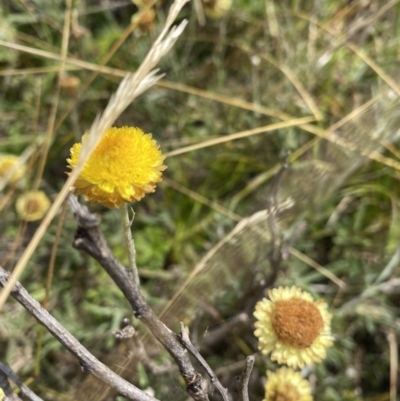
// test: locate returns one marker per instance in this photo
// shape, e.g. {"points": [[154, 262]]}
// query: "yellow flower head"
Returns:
{"points": [[216, 9], [10, 169], [294, 327], [125, 166], [32, 205], [287, 385]]}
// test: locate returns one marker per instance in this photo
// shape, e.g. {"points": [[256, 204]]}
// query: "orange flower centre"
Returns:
{"points": [[32, 206], [297, 322], [284, 392]]}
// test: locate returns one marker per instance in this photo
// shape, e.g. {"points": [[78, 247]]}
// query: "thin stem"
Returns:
{"points": [[243, 380], [130, 243]]}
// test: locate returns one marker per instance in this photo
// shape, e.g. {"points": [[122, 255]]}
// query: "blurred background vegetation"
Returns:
{"points": [[261, 63]]}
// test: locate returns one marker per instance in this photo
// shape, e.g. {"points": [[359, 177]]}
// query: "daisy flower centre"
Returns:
{"points": [[297, 322], [32, 206]]}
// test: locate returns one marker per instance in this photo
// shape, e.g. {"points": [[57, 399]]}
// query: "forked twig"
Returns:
{"points": [[185, 341], [89, 239]]}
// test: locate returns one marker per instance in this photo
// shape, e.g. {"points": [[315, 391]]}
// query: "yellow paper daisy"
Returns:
{"points": [[294, 327], [125, 166], [287, 385], [32, 205], [10, 169]]}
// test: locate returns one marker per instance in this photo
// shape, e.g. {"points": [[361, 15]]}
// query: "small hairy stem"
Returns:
{"points": [[130, 243]]}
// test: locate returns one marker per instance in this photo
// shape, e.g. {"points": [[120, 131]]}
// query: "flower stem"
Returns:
{"points": [[130, 243]]}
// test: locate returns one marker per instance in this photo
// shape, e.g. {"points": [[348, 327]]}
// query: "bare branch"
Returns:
{"points": [[185, 340], [7, 373], [87, 360], [5, 385], [89, 239]]}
